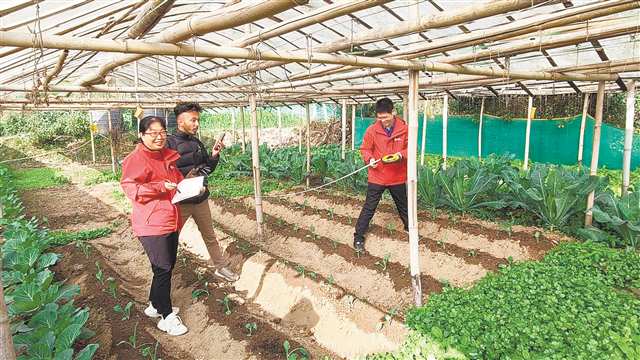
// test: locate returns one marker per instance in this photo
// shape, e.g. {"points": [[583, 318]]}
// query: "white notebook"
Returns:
{"points": [[188, 188]]}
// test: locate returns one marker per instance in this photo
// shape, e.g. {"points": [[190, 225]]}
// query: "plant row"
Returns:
{"points": [[45, 323]]}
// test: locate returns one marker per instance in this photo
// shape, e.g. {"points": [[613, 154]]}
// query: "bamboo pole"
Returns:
{"points": [[111, 147], [149, 16], [93, 143], [353, 128], [445, 120], [255, 159], [628, 136], [405, 107], [308, 138], [480, 130], [595, 151], [232, 16], [412, 187], [279, 126], [343, 143], [234, 126], [583, 123], [136, 47], [527, 135], [423, 144], [176, 79], [244, 134], [7, 351]]}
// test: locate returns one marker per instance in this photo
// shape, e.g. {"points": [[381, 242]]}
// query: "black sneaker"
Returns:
{"points": [[358, 244]]}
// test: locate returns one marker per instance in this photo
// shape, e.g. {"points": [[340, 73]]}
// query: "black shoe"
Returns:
{"points": [[358, 244]]}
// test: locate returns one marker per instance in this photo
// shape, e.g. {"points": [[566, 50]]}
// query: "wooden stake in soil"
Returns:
{"points": [[583, 123], [255, 159], [7, 351], [423, 145], [113, 155], [595, 151], [353, 127], [412, 187], [480, 130], [244, 134], [445, 120], [308, 136], [344, 130], [628, 136], [527, 135], [279, 126]]}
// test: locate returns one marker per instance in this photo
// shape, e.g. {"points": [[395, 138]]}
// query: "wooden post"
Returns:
{"points": [[279, 126], [353, 128], [113, 155], [423, 145], [595, 150], [343, 142], [244, 139], [405, 106], [255, 159], [412, 187], [628, 136], [234, 126], [176, 79], [585, 109], [300, 133], [527, 135], [92, 127], [445, 120], [480, 130], [308, 138], [7, 352]]}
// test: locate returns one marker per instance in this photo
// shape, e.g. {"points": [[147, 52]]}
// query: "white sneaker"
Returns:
{"points": [[172, 325], [226, 274], [151, 312]]}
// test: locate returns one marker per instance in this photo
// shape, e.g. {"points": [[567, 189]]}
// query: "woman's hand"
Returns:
{"points": [[170, 185]]}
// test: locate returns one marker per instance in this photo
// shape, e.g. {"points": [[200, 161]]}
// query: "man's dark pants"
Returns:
{"points": [[374, 193]]}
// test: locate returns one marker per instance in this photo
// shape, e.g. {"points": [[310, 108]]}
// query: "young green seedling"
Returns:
{"points": [[112, 287], [195, 294], [382, 263], [292, 354], [301, 271], [331, 213], [133, 338], [126, 311], [330, 280], [99, 274], [226, 304], [251, 328], [84, 247], [391, 228], [147, 351], [473, 253]]}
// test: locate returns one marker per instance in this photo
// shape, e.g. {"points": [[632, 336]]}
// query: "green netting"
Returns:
{"points": [[552, 141]]}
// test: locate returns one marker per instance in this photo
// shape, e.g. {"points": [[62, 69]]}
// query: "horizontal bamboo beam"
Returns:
{"points": [[149, 16], [20, 6], [234, 15], [44, 16], [11, 38], [450, 18]]}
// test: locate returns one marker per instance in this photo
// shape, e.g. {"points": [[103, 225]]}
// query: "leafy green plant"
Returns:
{"points": [[251, 328], [197, 293], [383, 263], [60, 238], [112, 287], [618, 215], [294, 354], [133, 338], [151, 352], [391, 228], [301, 271], [99, 274], [226, 304], [124, 311]]}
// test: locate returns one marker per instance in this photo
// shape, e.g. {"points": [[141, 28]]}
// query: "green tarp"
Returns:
{"points": [[552, 141]]}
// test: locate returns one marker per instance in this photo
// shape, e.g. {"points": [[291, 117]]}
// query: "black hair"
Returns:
{"points": [[146, 121], [384, 105], [186, 107]]}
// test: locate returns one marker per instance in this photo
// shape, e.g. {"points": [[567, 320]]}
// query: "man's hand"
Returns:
{"points": [[192, 173], [373, 163], [217, 148]]}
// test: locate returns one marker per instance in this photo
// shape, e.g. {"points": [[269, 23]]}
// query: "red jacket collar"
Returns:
{"points": [[399, 127], [164, 154]]}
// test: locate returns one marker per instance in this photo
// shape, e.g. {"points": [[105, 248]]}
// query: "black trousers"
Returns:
{"points": [[162, 251], [374, 193]]}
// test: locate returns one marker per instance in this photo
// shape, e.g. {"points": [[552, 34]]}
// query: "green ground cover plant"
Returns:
{"points": [[38, 178]]}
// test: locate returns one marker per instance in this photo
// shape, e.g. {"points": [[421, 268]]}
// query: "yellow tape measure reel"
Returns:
{"points": [[391, 158]]}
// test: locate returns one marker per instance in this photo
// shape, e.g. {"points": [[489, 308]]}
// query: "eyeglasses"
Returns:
{"points": [[155, 134]]}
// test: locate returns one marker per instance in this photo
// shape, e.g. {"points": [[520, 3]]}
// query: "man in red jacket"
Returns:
{"points": [[387, 136]]}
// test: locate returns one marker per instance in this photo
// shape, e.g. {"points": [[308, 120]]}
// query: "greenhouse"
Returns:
{"points": [[191, 179]]}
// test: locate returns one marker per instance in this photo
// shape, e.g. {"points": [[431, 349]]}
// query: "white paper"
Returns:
{"points": [[188, 188]]}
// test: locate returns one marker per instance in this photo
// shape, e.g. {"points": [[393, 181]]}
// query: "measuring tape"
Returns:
{"points": [[391, 158]]}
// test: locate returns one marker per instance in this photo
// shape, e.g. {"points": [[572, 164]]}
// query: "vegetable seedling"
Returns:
{"points": [[226, 304], [251, 328], [292, 354], [126, 311]]}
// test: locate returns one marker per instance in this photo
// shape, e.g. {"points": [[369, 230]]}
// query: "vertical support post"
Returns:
{"points": [[308, 138], [527, 135], [480, 130], [234, 126], [412, 187], [353, 127], [92, 127], [595, 150], [583, 124], [628, 136], [445, 120], [325, 113], [423, 145], [279, 126], [244, 134], [343, 143], [111, 147], [405, 108], [255, 159], [176, 79], [136, 83]]}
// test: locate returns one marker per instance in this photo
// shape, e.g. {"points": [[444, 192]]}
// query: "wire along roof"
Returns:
{"points": [[61, 53]]}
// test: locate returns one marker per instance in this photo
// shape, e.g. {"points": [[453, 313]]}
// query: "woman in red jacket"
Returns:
{"points": [[149, 178], [387, 136]]}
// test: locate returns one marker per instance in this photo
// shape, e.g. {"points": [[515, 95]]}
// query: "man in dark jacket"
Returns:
{"points": [[195, 161]]}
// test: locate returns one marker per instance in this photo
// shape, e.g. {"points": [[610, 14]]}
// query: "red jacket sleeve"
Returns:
{"points": [[366, 149], [134, 183]]}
